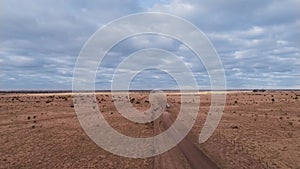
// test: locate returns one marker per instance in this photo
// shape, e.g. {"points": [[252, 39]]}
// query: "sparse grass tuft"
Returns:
{"points": [[234, 127], [48, 101]]}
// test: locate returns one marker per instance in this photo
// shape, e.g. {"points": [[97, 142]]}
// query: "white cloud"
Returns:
{"points": [[256, 40], [176, 7]]}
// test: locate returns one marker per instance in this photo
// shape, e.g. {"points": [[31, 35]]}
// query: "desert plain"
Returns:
{"points": [[257, 130]]}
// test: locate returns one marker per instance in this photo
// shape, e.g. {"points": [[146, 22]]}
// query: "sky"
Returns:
{"points": [[258, 42]]}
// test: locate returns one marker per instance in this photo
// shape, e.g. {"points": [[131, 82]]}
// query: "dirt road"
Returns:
{"points": [[194, 156], [43, 131]]}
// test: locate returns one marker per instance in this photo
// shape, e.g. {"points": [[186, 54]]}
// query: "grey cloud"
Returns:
{"points": [[257, 41], [45, 37]]}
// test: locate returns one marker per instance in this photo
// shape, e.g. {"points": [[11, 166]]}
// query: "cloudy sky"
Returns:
{"points": [[258, 42]]}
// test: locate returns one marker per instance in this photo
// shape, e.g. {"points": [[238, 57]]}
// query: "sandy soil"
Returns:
{"points": [[257, 130]]}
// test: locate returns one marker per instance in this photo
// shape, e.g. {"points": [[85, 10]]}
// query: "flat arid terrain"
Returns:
{"points": [[257, 130]]}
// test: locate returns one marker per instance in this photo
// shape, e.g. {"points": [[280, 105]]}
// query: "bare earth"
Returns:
{"points": [[257, 130]]}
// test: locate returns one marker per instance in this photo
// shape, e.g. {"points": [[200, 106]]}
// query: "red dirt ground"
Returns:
{"points": [[257, 130]]}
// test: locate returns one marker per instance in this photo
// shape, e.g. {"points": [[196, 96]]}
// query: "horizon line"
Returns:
{"points": [[140, 90]]}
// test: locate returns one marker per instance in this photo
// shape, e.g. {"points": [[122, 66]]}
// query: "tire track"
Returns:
{"points": [[195, 157]]}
